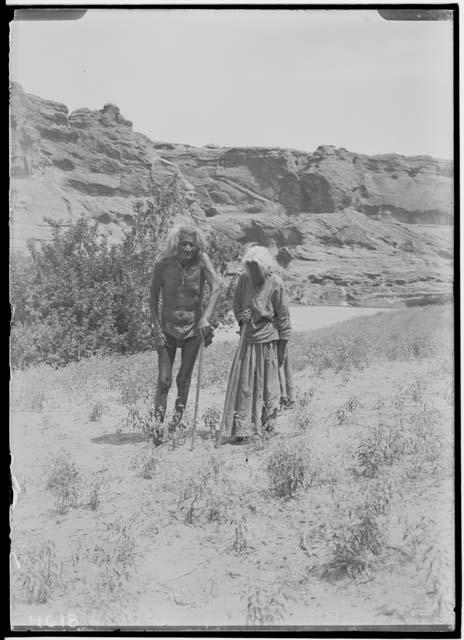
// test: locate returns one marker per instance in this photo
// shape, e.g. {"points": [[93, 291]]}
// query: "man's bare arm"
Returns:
{"points": [[155, 290], [214, 288]]}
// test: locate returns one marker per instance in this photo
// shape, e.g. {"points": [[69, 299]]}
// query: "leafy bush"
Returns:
{"points": [[76, 295]]}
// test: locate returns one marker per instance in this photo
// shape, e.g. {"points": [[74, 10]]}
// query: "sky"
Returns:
{"points": [[294, 79]]}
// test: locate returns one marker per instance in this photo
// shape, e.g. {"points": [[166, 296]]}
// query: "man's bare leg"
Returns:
{"points": [[190, 349], [166, 358]]}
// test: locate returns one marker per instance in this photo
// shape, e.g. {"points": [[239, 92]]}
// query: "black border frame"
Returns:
{"points": [[283, 631]]}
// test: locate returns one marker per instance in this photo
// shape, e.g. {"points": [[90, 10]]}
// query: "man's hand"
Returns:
{"points": [[206, 330], [160, 341], [207, 333], [282, 350]]}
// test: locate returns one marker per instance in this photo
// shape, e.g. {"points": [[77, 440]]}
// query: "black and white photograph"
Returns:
{"points": [[232, 342]]}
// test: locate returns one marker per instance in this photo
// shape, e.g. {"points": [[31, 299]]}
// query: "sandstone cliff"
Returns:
{"points": [[345, 227]]}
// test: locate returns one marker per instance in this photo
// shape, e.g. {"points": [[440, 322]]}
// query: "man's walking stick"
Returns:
{"points": [[232, 385], [197, 395]]}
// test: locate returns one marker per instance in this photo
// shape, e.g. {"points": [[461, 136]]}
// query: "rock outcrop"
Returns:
{"points": [[345, 227]]}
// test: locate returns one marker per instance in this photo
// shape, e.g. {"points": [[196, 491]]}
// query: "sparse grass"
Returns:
{"points": [[110, 562], [289, 468], [404, 446], [96, 485], [210, 494], [64, 481], [302, 415], [140, 417], [266, 605], [381, 446], [346, 413], [406, 334], [146, 463], [134, 377], [240, 544], [38, 575], [355, 537], [97, 411]]}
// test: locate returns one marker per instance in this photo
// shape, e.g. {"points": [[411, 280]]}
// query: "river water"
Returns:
{"points": [[308, 318]]}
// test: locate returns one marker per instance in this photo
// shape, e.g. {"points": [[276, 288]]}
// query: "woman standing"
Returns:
{"points": [[261, 308]]}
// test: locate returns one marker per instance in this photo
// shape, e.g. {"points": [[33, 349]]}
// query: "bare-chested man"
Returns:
{"points": [[178, 320]]}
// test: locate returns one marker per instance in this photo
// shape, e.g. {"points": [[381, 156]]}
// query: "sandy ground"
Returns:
{"points": [[192, 574]]}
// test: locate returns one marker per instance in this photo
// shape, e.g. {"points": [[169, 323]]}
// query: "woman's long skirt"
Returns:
{"points": [[258, 393]]}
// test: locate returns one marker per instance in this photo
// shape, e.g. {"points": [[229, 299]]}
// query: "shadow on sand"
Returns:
{"points": [[119, 438]]}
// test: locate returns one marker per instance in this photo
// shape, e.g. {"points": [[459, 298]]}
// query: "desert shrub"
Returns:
{"points": [[85, 296], [209, 494], [382, 446], [211, 419], [146, 463], [95, 486], [289, 468], [414, 433], [134, 377], [97, 410], [140, 417], [64, 481], [355, 537], [240, 543], [39, 573], [302, 415], [266, 605], [110, 562], [345, 413], [76, 295]]}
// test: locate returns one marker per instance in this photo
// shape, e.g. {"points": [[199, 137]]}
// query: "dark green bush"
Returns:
{"points": [[76, 295]]}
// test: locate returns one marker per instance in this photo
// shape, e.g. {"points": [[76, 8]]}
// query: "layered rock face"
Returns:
{"points": [[345, 227]]}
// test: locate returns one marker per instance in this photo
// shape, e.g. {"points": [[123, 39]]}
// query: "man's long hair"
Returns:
{"points": [[172, 239]]}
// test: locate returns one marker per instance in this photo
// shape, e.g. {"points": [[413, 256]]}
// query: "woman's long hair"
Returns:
{"points": [[263, 258]]}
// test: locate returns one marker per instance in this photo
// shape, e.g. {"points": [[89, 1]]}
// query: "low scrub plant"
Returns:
{"points": [[64, 481], [97, 410], [96, 485], [146, 463], [346, 413], [141, 417], [110, 562], [289, 468], [266, 605], [210, 494], [39, 574], [211, 419], [355, 537]]}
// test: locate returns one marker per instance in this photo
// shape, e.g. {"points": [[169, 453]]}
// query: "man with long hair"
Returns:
{"points": [[177, 314]]}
